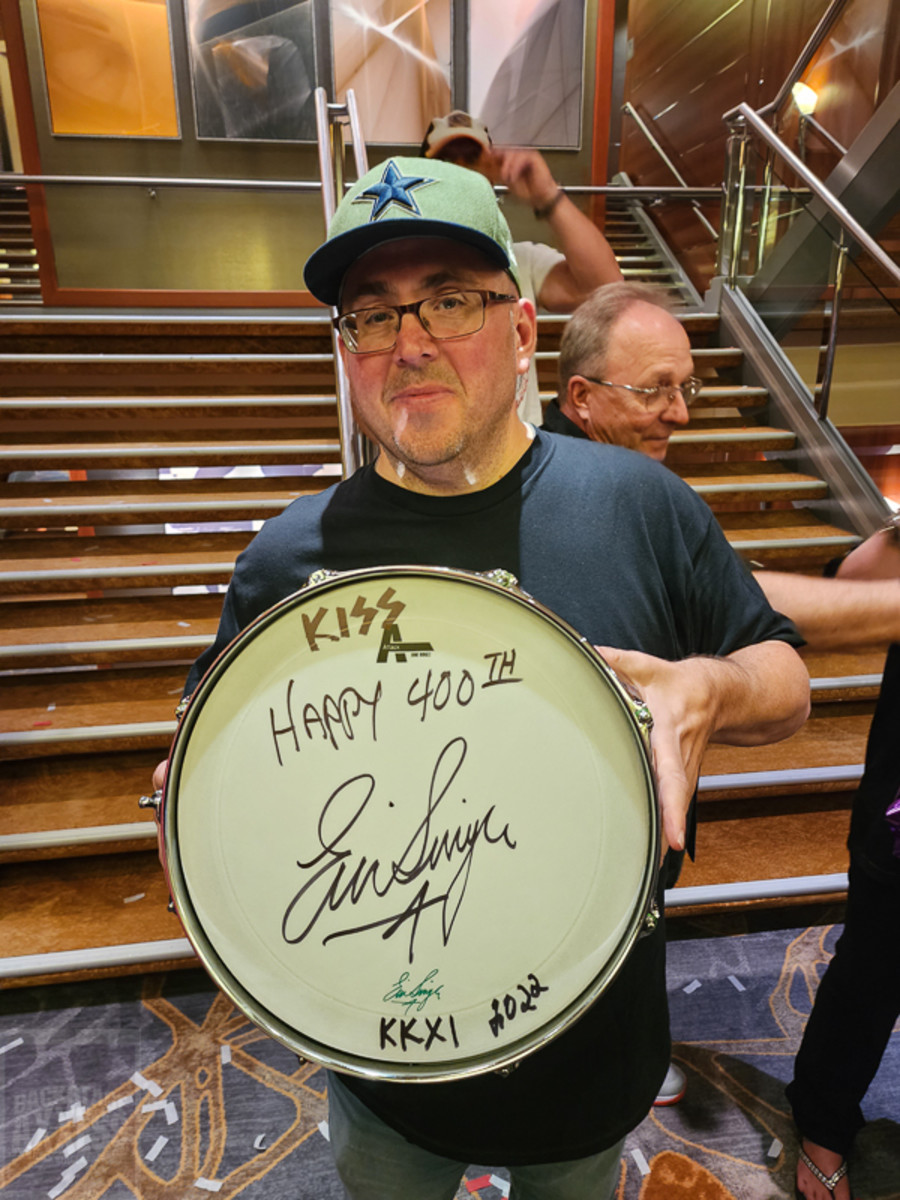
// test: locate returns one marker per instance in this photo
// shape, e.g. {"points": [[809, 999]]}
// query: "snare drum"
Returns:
{"points": [[410, 823]]}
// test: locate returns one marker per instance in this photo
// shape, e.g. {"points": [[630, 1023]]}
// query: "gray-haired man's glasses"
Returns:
{"points": [[445, 316], [660, 396]]}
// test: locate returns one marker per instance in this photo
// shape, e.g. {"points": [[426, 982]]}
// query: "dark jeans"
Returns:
{"points": [[856, 1005]]}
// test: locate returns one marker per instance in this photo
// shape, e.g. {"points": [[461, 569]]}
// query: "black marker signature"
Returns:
{"points": [[416, 880]]}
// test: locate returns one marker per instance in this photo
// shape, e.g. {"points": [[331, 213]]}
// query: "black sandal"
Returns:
{"points": [[829, 1182]]}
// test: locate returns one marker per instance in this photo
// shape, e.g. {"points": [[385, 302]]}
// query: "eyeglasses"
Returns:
{"points": [[661, 395], [445, 316]]}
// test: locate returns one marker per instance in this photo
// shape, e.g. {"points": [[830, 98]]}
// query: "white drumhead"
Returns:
{"points": [[416, 851]]}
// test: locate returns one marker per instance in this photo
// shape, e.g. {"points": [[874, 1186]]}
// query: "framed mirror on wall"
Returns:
{"points": [[526, 71], [108, 68], [253, 67]]}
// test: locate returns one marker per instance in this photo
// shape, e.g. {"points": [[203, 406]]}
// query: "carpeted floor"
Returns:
{"points": [[157, 1088]]}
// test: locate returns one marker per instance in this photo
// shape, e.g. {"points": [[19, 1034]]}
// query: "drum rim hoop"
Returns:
{"points": [[223, 976]]}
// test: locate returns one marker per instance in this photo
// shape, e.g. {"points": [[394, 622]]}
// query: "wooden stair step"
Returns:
{"points": [[710, 434], [158, 407], [760, 839], [80, 712], [195, 452], [81, 904], [36, 633], [833, 737], [51, 564], [738, 395], [755, 481], [783, 525], [151, 501], [74, 805]]}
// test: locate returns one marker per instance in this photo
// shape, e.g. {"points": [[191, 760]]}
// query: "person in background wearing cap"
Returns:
{"points": [[625, 372], [435, 339], [557, 280]]}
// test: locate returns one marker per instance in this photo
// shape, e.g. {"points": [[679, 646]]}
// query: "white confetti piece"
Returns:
{"points": [[736, 983], [122, 1102], [146, 1085], [156, 1149], [153, 1106], [51, 708], [225, 1054], [775, 1149], [207, 1185], [259, 1143], [75, 1146], [134, 898], [323, 1129], [642, 1164], [692, 987], [12, 1045], [68, 1177], [75, 1113], [502, 1185], [37, 1136], [171, 1113], [184, 624]]}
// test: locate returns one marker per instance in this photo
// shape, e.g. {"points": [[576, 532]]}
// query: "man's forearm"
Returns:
{"points": [[836, 614], [759, 694]]}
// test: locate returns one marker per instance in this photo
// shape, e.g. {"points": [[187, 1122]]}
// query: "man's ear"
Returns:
{"points": [[577, 396], [525, 327]]}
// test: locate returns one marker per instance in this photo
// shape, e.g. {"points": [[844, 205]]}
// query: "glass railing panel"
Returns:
{"points": [[787, 265]]}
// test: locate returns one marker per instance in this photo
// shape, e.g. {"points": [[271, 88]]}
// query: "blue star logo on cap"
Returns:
{"points": [[393, 188]]}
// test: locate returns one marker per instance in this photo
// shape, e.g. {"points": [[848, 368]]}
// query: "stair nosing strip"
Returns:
{"points": [[84, 733], [46, 839], [95, 958], [753, 779]]}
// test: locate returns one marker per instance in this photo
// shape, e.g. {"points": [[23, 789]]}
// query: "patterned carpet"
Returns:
{"points": [[158, 1089]]}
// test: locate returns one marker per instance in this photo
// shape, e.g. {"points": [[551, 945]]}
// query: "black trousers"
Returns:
{"points": [[855, 1008]]}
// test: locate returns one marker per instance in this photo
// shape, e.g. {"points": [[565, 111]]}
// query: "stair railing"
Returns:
{"points": [[630, 111], [744, 123], [331, 122]]}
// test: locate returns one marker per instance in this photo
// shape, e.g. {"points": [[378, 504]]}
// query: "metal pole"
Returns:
{"points": [[353, 445], [831, 348]]}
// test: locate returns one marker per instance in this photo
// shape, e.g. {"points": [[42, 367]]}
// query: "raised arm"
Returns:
{"points": [[857, 610], [755, 695], [589, 259]]}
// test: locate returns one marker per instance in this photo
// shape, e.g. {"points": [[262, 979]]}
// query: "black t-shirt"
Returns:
{"points": [[626, 553]]}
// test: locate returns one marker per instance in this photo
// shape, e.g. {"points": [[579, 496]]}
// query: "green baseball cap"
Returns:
{"points": [[410, 197]]}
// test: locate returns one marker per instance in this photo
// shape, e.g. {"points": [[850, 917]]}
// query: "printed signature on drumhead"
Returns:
{"points": [[349, 893], [416, 996]]}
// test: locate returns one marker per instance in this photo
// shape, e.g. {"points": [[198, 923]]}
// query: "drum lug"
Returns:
{"points": [[651, 919], [505, 1072], [321, 577], [153, 802], [501, 577], [642, 715]]}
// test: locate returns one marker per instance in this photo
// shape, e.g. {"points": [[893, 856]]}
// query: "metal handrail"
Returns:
{"points": [[842, 215], [816, 38], [629, 109], [330, 120], [640, 192]]}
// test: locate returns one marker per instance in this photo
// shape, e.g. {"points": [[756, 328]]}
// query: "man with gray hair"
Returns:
{"points": [[627, 332]]}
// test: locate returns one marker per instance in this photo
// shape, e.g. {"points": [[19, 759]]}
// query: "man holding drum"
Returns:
{"points": [[436, 341]]}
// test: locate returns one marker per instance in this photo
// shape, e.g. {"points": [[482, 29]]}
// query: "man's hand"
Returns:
{"points": [[758, 694], [159, 775], [527, 176]]}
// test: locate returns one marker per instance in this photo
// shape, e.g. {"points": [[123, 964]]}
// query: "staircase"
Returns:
{"points": [[140, 453], [134, 475], [19, 275]]}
